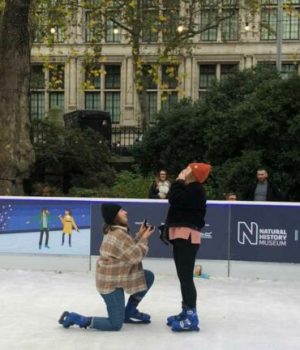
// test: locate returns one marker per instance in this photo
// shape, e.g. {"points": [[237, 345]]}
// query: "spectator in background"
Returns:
{"points": [[230, 196], [263, 189], [160, 186]]}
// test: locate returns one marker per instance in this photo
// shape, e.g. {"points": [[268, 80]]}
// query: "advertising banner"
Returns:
{"points": [[155, 213], [64, 226], [45, 226], [214, 243], [265, 233], [214, 238]]}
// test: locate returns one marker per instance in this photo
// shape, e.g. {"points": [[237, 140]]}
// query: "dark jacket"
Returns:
{"points": [[187, 205], [273, 193], [153, 191]]}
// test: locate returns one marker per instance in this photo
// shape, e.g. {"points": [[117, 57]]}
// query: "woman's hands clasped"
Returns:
{"points": [[184, 173]]}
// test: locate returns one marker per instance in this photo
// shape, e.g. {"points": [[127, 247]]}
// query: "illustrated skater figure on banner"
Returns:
{"points": [[44, 219], [119, 269], [185, 219], [69, 224]]}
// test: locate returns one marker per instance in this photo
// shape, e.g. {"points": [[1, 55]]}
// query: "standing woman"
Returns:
{"points": [[185, 219], [68, 223]]}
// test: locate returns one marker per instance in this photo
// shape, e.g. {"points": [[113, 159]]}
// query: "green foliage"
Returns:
{"points": [[131, 185], [127, 184], [235, 174], [86, 158], [45, 190], [249, 119], [174, 141], [89, 192], [73, 157]]}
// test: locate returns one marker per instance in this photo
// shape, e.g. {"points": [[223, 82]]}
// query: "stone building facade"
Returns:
{"points": [[239, 43]]}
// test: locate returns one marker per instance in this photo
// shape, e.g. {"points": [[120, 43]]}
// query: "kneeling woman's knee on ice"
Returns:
{"points": [[117, 325]]}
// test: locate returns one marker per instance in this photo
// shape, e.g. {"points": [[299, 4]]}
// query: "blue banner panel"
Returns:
{"points": [[214, 237], [254, 231], [214, 243], [265, 233], [21, 226], [155, 214]]}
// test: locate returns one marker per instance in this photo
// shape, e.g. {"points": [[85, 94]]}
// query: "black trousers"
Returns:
{"points": [[41, 236], [184, 254]]}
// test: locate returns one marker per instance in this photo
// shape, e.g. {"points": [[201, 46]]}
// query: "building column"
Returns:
{"points": [[248, 62], [188, 77], [129, 115], [72, 88]]}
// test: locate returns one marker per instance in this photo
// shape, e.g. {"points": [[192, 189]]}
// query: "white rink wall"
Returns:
{"points": [[165, 266], [234, 234]]}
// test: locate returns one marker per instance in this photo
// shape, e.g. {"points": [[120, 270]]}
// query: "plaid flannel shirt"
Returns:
{"points": [[120, 262]]}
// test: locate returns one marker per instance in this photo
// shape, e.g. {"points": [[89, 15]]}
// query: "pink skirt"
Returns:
{"points": [[185, 233]]}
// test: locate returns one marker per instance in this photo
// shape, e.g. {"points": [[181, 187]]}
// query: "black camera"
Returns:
{"points": [[146, 225]]}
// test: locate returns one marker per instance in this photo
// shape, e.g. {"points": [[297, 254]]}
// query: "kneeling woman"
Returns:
{"points": [[119, 269]]}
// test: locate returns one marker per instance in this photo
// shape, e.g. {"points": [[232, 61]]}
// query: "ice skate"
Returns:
{"points": [[190, 323], [181, 316], [68, 319], [133, 315]]}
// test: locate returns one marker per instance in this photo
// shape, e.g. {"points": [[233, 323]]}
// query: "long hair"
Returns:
{"points": [[109, 227], [106, 228], [157, 177]]}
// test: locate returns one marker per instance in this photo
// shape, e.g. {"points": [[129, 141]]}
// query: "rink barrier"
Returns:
{"points": [[236, 233]]}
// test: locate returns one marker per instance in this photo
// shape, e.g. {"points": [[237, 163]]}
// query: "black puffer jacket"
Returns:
{"points": [[187, 205]]}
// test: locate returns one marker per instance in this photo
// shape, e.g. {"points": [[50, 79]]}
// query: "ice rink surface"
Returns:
{"points": [[235, 314]]}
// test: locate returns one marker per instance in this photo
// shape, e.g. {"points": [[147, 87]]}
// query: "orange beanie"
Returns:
{"points": [[200, 171]]}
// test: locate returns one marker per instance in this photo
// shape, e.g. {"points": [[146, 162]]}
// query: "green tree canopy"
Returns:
{"points": [[247, 120], [79, 157]]}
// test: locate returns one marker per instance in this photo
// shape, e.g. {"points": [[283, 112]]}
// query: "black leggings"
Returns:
{"points": [[41, 236], [184, 253], [63, 239]]}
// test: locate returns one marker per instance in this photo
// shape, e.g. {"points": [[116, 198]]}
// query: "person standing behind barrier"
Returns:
{"points": [[185, 219], [68, 223], [230, 196], [119, 268], [264, 189], [160, 186]]}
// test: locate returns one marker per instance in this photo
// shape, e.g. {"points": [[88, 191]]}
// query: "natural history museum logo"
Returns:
{"points": [[251, 233]]}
